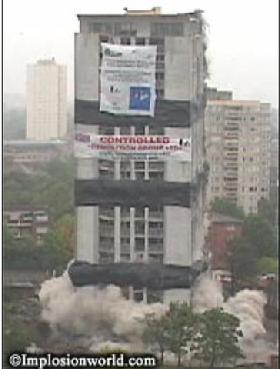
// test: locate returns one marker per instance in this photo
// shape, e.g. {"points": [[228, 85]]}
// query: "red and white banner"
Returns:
{"points": [[160, 148]]}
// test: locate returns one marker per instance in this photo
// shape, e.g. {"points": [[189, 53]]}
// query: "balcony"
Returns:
{"points": [[106, 247], [156, 232], [106, 214]]}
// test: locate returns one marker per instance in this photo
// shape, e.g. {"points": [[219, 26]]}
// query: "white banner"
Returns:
{"points": [[128, 79], [132, 147]]}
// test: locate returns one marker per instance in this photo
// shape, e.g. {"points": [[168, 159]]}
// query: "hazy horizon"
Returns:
{"points": [[242, 40]]}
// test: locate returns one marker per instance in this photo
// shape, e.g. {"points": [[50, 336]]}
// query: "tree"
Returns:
{"points": [[218, 337], [267, 210], [268, 265], [155, 332], [243, 262], [261, 235], [181, 329], [227, 207]]}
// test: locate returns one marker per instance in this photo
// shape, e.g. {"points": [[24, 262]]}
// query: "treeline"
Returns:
{"points": [[256, 250], [52, 188], [211, 337]]}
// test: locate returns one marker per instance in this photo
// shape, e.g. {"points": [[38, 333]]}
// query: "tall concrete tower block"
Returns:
{"points": [[114, 222]]}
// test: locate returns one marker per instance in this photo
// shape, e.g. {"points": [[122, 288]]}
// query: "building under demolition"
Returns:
{"points": [[140, 74]]}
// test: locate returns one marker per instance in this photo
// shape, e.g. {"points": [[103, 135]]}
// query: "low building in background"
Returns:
{"points": [[213, 93], [28, 222], [221, 232]]}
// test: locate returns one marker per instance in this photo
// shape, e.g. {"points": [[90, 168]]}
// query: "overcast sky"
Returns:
{"points": [[242, 50]]}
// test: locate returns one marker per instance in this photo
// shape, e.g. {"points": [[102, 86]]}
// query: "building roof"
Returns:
{"points": [[221, 218], [19, 208], [233, 102], [142, 13], [33, 142]]}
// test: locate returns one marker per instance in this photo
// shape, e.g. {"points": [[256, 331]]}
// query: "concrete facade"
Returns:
{"points": [[46, 100], [162, 234], [238, 151]]}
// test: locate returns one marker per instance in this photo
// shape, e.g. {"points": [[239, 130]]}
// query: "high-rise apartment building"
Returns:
{"points": [[46, 100], [238, 151], [141, 211]]}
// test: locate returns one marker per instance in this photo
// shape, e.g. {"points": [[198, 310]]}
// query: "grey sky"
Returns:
{"points": [[243, 39]]}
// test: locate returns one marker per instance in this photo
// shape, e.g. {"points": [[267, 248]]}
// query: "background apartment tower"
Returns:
{"points": [[142, 211], [238, 150], [46, 100]]}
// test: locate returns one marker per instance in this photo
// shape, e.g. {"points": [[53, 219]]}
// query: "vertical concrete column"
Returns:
{"points": [[146, 240], [146, 162], [132, 234], [132, 166], [87, 216], [117, 234]]}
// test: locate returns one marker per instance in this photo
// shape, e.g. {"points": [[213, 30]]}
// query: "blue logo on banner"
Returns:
{"points": [[140, 98]]}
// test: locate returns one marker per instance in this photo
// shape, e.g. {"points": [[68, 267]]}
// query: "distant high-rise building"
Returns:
{"points": [[238, 151], [46, 100]]}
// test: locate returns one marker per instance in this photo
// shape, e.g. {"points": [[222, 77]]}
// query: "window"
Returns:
{"points": [[167, 29], [125, 41], [139, 130], [139, 244], [140, 175], [100, 27], [140, 41], [125, 29], [139, 212], [103, 39], [156, 130], [138, 295], [106, 130], [159, 75], [156, 175], [139, 227]]}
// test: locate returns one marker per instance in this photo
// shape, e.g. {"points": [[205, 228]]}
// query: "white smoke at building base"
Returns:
{"points": [[248, 306], [98, 314], [101, 318]]}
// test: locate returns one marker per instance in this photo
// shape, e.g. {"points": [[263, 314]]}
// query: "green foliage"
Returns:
{"points": [[268, 265], [226, 207], [181, 329], [267, 210], [262, 236], [243, 260], [258, 241], [17, 334], [51, 187], [217, 341], [174, 331], [14, 123], [155, 332], [25, 254], [64, 232], [211, 336]]}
